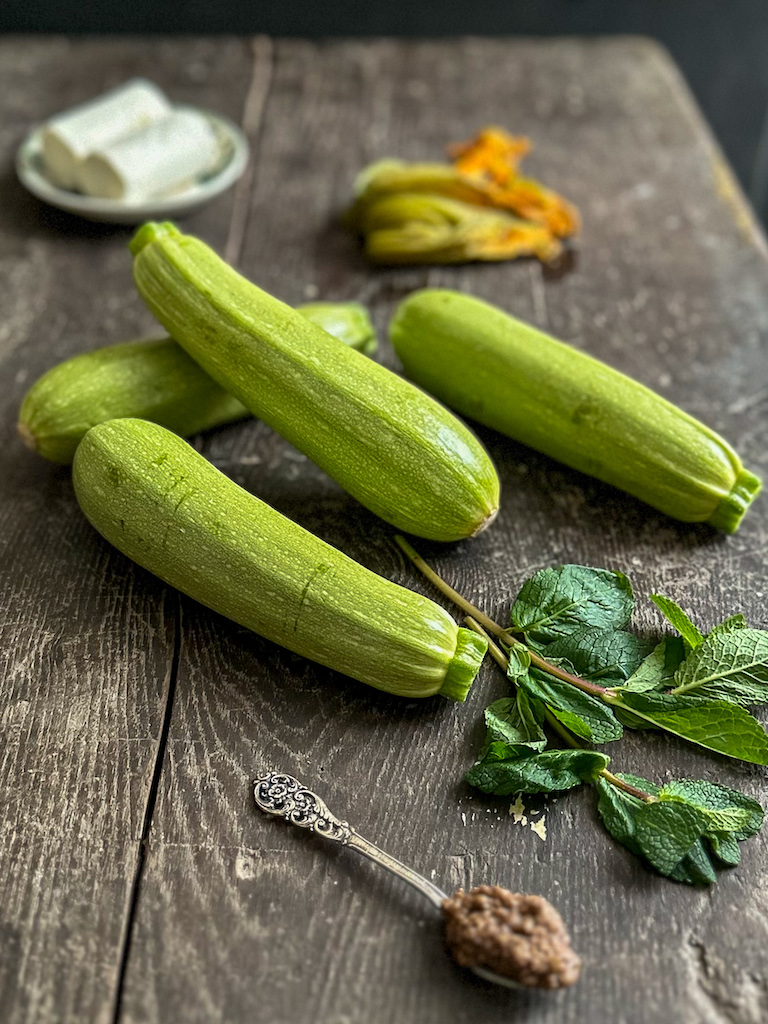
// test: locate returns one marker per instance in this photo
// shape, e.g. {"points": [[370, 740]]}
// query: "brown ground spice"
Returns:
{"points": [[520, 937]]}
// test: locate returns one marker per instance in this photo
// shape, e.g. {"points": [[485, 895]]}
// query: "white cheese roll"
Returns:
{"points": [[159, 159], [70, 137]]}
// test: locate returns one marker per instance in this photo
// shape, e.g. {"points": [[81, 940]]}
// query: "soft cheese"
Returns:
{"points": [[157, 160], [73, 135]]}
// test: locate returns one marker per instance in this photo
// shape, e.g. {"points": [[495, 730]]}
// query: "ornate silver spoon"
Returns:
{"points": [[523, 936]]}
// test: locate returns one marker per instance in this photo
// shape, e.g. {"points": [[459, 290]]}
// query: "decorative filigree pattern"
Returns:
{"points": [[284, 796]]}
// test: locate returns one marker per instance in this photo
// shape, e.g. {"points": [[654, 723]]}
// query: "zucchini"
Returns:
{"points": [[502, 372], [154, 380], [391, 446], [163, 505]]}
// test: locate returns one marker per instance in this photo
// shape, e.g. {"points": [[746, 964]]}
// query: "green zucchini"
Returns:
{"points": [[154, 380], [502, 372], [391, 446], [163, 505]]}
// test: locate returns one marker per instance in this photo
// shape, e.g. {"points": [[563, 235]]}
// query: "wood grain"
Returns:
{"points": [[240, 918], [88, 640], [237, 918]]}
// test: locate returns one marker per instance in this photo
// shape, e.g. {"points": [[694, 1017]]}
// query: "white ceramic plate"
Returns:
{"points": [[234, 156]]}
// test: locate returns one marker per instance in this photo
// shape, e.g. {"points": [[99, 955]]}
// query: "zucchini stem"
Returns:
{"points": [[493, 648]]}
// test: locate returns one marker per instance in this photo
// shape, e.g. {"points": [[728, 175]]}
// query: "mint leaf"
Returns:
{"points": [[730, 816], [531, 712], [736, 621], [696, 867], [731, 819], [725, 847], [607, 655], [675, 614], [658, 669], [512, 720], [556, 601], [665, 832], [730, 666], [727, 810], [585, 715], [547, 772], [519, 662], [716, 725], [673, 851]]}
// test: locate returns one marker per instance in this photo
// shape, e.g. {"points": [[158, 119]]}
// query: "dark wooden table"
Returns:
{"points": [[137, 882]]}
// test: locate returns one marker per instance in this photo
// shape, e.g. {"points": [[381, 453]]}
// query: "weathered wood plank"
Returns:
{"points": [[88, 640], [242, 919]]}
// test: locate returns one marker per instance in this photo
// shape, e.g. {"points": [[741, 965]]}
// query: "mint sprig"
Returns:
{"points": [[579, 675], [729, 667], [687, 842], [687, 830]]}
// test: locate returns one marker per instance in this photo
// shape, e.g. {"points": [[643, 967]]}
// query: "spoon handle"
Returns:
{"points": [[284, 797]]}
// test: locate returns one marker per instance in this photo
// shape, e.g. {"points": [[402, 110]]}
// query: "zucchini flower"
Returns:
{"points": [[423, 228], [477, 208]]}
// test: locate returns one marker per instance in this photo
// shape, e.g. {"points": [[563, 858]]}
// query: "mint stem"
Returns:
{"points": [[614, 780], [445, 588], [559, 673]]}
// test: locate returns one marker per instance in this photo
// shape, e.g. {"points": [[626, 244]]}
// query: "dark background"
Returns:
{"points": [[721, 45]]}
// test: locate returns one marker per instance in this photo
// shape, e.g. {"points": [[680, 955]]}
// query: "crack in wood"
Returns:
{"points": [[149, 810]]}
